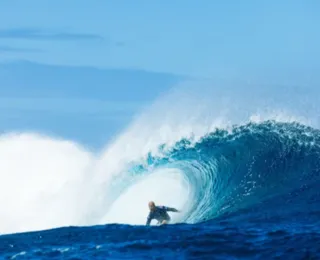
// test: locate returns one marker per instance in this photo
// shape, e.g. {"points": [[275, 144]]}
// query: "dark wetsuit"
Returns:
{"points": [[160, 214]]}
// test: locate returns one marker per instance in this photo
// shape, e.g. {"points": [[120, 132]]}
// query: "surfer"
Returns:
{"points": [[159, 213]]}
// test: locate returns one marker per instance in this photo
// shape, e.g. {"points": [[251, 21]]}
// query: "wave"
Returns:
{"points": [[208, 153], [227, 171]]}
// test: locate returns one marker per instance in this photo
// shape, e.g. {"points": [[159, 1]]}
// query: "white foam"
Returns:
{"points": [[41, 182]]}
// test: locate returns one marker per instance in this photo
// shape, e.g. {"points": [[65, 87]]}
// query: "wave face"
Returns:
{"points": [[264, 164]]}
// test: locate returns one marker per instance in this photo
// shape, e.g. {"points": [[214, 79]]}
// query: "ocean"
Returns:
{"points": [[246, 191]]}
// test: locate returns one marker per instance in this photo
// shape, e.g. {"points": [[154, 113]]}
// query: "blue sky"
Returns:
{"points": [[46, 46]]}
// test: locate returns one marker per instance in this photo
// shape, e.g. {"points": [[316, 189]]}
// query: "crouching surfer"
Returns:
{"points": [[160, 213]]}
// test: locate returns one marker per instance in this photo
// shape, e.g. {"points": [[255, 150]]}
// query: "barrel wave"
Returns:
{"points": [[270, 165]]}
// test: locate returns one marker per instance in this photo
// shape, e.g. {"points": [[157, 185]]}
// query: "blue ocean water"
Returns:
{"points": [[255, 195]]}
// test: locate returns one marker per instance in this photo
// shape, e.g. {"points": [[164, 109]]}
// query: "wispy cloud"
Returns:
{"points": [[14, 49], [38, 34]]}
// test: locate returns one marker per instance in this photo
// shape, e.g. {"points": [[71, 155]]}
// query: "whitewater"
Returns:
{"points": [[229, 156]]}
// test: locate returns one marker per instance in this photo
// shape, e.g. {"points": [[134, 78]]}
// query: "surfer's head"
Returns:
{"points": [[151, 205]]}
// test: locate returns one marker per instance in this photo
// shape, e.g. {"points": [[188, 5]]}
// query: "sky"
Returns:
{"points": [[58, 58]]}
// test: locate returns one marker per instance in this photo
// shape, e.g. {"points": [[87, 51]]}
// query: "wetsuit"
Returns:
{"points": [[160, 213]]}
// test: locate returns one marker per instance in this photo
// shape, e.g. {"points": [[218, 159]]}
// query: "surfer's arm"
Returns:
{"points": [[171, 209], [148, 220]]}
